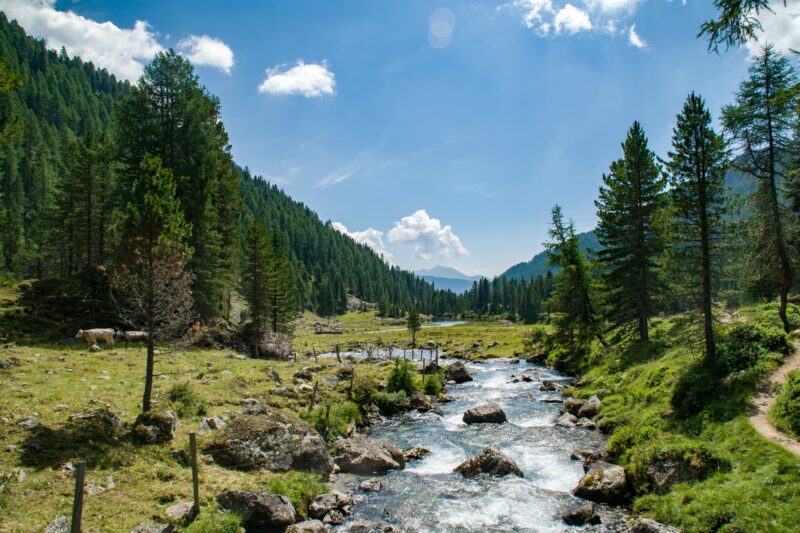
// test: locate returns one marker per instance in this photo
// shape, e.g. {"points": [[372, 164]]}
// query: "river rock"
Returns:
{"points": [[579, 515], [586, 423], [420, 401], [488, 413], [488, 461], [361, 455], [259, 509], [371, 527], [457, 373], [572, 406], [567, 420], [549, 386], [273, 441], [324, 504], [589, 409], [154, 427], [371, 485], [605, 483], [416, 453], [309, 526], [648, 525]]}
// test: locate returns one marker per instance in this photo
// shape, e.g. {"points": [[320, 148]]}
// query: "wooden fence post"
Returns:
{"points": [[77, 502], [352, 377], [313, 397], [338, 357], [195, 476], [327, 419]]}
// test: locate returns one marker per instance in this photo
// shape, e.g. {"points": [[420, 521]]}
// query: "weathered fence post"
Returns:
{"points": [[338, 357], [327, 420], [313, 397], [77, 502], [352, 377], [195, 475], [315, 354]]}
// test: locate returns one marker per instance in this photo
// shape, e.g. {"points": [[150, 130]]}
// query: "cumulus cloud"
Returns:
{"points": [[370, 237], [780, 27], [634, 39], [556, 17], [208, 51], [310, 80], [572, 20], [123, 51], [428, 236]]}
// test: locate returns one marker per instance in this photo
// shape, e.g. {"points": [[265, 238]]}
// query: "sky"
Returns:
{"points": [[436, 132]]}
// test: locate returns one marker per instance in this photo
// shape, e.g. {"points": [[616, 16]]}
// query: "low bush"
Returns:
{"points": [[300, 487], [743, 346], [697, 460], [401, 377], [340, 416], [786, 411], [432, 384], [185, 400], [364, 388], [391, 402]]}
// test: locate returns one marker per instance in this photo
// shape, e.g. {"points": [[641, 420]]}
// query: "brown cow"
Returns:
{"points": [[139, 337]]}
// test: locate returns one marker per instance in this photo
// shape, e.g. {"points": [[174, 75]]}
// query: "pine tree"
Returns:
{"points": [[151, 282], [281, 288], [572, 298], [255, 281], [697, 165], [630, 199], [759, 124], [414, 324]]}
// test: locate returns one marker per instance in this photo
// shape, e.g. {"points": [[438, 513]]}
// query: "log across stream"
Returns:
{"points": [[428, 496]]}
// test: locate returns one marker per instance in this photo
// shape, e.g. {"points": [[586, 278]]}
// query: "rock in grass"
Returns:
{"points": [[647, 525], [605, 483], [488, 461], [589, 409], [154, 427], [488, 413], [259, 509], [580, 515], [272, 441], [154, 528], [59, 525], [309, 526], [180, 512], [361, 455]]}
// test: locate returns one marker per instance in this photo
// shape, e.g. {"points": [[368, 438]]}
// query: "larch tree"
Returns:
{"points": [[696, 165], [631, 197], [759, 125], [151, 285]]}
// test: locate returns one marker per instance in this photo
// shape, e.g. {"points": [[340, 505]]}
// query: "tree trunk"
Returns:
{"points": [[148, 375]]}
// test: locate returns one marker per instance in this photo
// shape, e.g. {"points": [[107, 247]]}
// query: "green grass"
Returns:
{"points": [[785, 413], [751, 484]]}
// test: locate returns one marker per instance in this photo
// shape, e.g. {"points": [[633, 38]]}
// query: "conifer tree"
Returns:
{"points": [[630, 199], [572, 298], [152, 285], [255, 281], [697, 165], [281, 287], [760, 125], [414, 324]]}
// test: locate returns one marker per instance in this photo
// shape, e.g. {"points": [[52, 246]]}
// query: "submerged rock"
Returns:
{"points": [[259, 509], [488, 461], [488, 413], [361, 455], [416, 453], [371, 485], [567, 420], [371, 527], [273, 441], [605, 483]]}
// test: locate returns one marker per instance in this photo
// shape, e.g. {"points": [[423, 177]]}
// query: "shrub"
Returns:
{"points": [[364, 388], [300, 487], [693, 390], [786, 411], [401, 377], [185, 400], [743, 346], [341, 415], [433, 384], [695, 457], [391, 402]]}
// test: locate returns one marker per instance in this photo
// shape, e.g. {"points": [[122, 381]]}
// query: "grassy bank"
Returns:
{"points": [[662, 404]]}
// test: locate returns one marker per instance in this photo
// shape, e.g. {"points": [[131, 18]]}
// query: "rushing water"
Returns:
{"points": [[429, 496]]}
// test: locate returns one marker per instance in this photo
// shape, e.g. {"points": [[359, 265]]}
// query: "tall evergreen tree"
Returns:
{"points": [[152, 284], [572, 298], [281, 288], [255, 281], [630, 199], [760, 124], [414, 324], [697, 165]]}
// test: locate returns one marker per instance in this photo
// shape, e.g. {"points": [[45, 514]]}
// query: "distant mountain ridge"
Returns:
{"points": [[448, 278], [440, 271], [538, 266]]}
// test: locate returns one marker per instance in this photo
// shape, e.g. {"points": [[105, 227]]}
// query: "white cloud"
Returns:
{"points": [[333, 179], [208, 51], [428, 236], [572, 19], [780, 27], [370, 237], [535, 14], [122, 51], [612, 6], [309, 80], [634, 39]]}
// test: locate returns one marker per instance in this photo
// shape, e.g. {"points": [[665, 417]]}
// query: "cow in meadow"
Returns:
{"points": [[136, 337], [91, 336]]}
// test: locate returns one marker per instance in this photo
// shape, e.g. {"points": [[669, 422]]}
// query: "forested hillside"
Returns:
{"points": [[539, 266]]}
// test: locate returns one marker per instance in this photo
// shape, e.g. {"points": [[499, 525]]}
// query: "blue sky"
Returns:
{"points": [[442, 131]]}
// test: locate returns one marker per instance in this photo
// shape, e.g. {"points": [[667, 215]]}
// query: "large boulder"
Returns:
{"points": [[663, 474], [488, 413], [572, 406], [259, 510], [273, 441], [361, 455], [589, 409], [604, 483], [419, 401], [153, 427], [324, 504], [274, 346], [488, 461], [457, 372]]}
